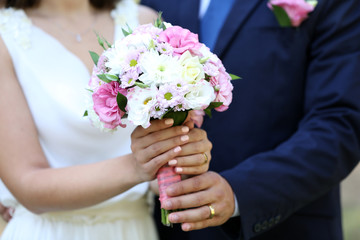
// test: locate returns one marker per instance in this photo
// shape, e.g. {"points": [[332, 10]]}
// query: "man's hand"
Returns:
{"points": [[195, 195]]}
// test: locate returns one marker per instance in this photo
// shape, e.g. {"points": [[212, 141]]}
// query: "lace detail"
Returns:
{"points": [[126, 13], [15, 24]]}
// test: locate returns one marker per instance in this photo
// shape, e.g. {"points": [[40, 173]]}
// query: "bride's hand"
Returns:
{"points": [[6, 213], [154, 146]]}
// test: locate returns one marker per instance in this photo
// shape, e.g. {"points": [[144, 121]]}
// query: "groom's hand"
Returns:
{"points": [[195, 195]]}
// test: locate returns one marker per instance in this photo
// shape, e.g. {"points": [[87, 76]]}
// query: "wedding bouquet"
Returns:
{"points": [[156, 71]]}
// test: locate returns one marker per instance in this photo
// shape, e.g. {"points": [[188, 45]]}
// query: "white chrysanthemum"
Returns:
{"points": [[138, 41], [200, 95], [192, 69], [159, 69], [116, 57], [140, 103]]}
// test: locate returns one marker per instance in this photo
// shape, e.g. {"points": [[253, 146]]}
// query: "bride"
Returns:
{"points": [[63, 177]]}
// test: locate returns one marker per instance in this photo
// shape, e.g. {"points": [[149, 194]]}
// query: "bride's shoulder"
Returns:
{"points": [[15, 24], [147, 15]]}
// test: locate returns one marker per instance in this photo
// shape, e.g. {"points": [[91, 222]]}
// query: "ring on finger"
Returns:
{"points": [[212, 211], [206, 158]]}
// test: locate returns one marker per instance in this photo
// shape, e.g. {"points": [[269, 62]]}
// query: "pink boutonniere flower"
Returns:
{"points": [[291, 13]]}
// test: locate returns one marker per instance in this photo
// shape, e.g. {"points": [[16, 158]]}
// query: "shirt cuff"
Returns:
{"points": [[236, 210]]}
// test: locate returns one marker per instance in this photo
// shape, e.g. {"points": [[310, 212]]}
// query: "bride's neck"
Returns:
{"points": [[70, 8]]}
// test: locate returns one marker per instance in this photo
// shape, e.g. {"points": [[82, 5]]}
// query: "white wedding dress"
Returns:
{"points": [[54, 82]]}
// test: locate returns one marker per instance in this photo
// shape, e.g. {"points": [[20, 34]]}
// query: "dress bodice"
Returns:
{"points": [[54, 82]]}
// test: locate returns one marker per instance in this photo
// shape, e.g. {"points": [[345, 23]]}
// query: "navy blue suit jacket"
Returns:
{"points": [[292, 131]]}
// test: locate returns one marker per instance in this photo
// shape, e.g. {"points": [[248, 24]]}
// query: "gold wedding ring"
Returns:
{"points": [[212, 212], [206, 158]]}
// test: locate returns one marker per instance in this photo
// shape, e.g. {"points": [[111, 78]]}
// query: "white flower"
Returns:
{"points": [[138, 41], [159, 69], [200, 95], [192, 69], [167, 25], [207, 54], [116, 57], [140, 103]]}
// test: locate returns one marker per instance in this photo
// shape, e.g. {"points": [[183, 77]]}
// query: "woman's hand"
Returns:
{"points": [[156, 145], [6, 213]]}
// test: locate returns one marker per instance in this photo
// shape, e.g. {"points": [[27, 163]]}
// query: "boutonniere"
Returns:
{"points": [[291, 13]]}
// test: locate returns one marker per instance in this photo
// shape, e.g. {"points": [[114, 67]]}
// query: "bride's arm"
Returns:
{"points": [[26, 172]]}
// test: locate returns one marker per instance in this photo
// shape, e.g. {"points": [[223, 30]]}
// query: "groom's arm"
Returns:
{"points": [[273, 185]]}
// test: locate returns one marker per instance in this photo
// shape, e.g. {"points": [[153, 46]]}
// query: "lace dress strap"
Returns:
{"points": [[15, 26]]}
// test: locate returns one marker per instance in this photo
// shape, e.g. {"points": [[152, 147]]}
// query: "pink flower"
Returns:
{"points": [[297, 10], [148, 29], [180, 39], [105, 104], [223, 84], [197, 116]]}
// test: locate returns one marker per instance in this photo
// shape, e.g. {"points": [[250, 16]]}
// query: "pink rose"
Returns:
{"points": [[297, 10], [180, 39], [105, 104], [223, 84]]}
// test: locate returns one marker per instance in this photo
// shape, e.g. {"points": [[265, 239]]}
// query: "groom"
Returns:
{"points": [[292, 132]]}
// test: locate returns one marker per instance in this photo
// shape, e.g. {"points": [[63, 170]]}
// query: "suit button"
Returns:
{"points": [[271, 222], [277, 219], [257, 228], [264, 225]]}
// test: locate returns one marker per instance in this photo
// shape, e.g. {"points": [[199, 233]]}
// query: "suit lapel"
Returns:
{"points": [[236, 18]]}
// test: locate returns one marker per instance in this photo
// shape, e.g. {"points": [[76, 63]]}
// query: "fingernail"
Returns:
{"points": [[172, 162], [173, 217], [168, 204], [184, 138], [11, 212], [185, 129], [169, 121], [177, 149], [186, 227], [178, 169]]}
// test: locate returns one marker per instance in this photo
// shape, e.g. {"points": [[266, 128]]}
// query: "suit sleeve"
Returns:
{"points": [[273, 185]]}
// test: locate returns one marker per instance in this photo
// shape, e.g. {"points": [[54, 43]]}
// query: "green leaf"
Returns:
{"points": [[103, 78], [121, 101], [142, 85], [86, 114], [95, 57], [111, 77], [159, 22], [281, 16], [211, 106], [128, 31], [100, 41], [179, 117], [234, 77]]}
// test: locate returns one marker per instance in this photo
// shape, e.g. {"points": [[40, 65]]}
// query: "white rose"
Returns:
{"points": [[192, 69], [140, 103], [200, 95]]}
